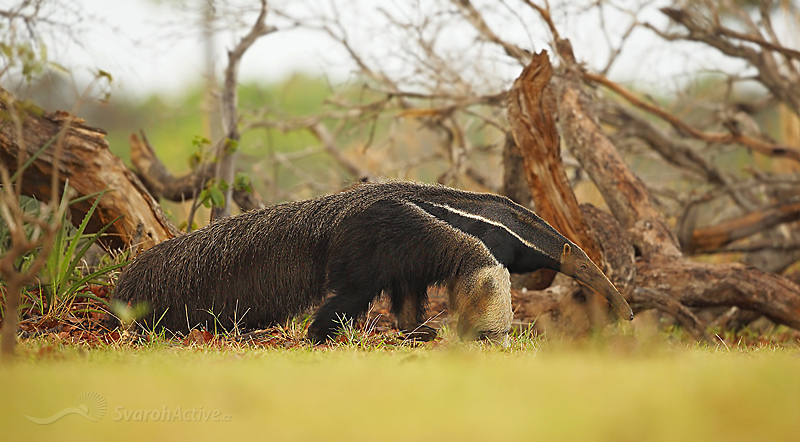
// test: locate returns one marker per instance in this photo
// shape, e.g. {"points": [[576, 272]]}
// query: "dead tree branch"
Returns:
{"points": [[476, 20], [662, 266], [724, 233], [532, 112], [701, 29], [645, 299], [226, 148], [163, 184], [326, 138], [733, 136]]}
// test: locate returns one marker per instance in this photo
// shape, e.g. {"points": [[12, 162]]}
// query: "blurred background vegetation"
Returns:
{"points": [[423, 96]]}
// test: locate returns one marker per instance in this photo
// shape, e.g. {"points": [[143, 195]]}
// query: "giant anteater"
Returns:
{"points": [[396, 237]]}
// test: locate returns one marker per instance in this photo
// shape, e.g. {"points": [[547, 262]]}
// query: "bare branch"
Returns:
{"points": [[734, 136], [226, 158], [713, 35], [778, 244], [476, 19], [715, 237], [161, 183], [329, 143]]}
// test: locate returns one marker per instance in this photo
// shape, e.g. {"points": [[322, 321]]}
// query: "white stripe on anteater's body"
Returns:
{"points": [[458, 213], [518, 238]]}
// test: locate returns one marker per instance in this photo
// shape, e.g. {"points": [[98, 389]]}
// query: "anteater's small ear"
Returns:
{"points": [[566, 249]]}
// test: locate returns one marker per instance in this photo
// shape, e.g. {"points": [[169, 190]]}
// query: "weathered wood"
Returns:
{"points": [[515, 185], [531, 113], [726, 232], [163, 184], [696, 284], [645, 299], [620, 267], [90, 168], [532, 116], [619, 261], [560, 310], [661, 265], [625, 194]]}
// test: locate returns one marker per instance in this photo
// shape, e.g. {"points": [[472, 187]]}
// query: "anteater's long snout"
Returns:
{"points": [[576, 264]]}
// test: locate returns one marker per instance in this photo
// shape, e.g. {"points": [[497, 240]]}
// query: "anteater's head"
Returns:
{"points": [[576, 264], [482, 301]]}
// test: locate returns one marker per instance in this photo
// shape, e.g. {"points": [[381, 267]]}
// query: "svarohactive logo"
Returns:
{"points": [[89, 405]]}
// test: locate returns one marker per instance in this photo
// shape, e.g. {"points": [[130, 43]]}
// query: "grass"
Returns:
{"points": [[621, 390]]}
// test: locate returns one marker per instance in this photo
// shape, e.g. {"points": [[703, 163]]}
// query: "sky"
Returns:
{"points": [[152, 46]]}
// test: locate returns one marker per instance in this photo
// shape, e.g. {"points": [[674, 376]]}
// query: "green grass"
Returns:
{"points": [[445, 392]]}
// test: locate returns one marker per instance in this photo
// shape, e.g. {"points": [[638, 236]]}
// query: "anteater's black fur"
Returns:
{"points": [[399, 238], [265, 266]]}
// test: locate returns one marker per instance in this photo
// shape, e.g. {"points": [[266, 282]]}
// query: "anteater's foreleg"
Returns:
{"points": [[397, 248], [482, 301], [348, 304]]}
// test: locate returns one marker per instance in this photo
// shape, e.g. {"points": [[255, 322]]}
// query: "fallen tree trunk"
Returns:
{"points": [[715, 237], [89, 166], [696, 284], [660, 264], [640, 253], [643, 299], [531, 114]]}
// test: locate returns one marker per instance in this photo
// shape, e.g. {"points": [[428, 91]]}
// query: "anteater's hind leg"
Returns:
{"points": [[410, 308]]}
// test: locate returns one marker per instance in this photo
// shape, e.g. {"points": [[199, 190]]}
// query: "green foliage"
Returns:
{"points": [[201, 153], [241, 181], [361, 339], [127, 314], [61, 274], [104, 74], [213, 194], [185, 227], [231, 146], [29, 57], [30, 207], [172, 124]]}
